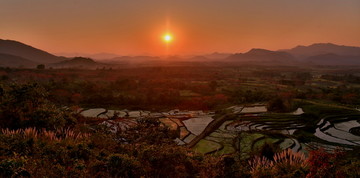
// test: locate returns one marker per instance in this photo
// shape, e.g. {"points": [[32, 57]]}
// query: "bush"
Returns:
{"points": [[13, 167], [279, 104], [324, 164], [27, 105], [40, 66], [122, 165]]}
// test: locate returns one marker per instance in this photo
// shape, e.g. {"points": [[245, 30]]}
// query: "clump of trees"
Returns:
{"points": [[241, 96], [40, 66], [279, 104], [27, 105]]}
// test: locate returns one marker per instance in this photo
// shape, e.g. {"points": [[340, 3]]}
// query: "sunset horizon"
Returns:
{"points": [[84, 54], [136, 28]]}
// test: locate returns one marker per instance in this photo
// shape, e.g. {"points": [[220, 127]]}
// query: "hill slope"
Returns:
{"points": [[7, 60], [333, 59], [78, 62], [323, 48], [28, 52], [262, 56]]}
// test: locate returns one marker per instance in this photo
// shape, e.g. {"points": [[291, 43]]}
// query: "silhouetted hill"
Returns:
{"points": [[97, 56], [323, 48], [217, 55], [132, 59], [7, 60], [198, 58], [79, 62], [28, 52], [17, 54], [333, 59], [263, 56]]}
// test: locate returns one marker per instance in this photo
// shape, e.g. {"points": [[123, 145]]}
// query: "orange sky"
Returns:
{"points": [[130, 27]]}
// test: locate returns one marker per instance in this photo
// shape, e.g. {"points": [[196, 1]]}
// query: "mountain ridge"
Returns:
{"points": [[16, 48], [15, 54], [303, 52], [262, 55], [8, 60]]}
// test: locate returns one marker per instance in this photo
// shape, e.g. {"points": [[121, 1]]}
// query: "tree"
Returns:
{"points": [[27, 105], [279, 104], [40, 66]]}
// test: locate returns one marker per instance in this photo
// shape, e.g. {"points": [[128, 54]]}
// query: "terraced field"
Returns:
{"points": [[247, 129], [337, 129], [251, 130]]}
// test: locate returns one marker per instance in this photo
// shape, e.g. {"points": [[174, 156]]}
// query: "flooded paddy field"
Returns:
{"points": [[243, 129]]}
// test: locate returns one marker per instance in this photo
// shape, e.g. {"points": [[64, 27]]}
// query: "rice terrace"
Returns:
{"points": [[199, 131]]}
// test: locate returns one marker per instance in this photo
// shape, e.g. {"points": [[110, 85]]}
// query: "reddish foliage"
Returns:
{"points": [[325, 164]]}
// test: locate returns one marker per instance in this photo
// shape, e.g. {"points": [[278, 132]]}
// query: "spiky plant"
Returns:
{"points": [[286, 163]]}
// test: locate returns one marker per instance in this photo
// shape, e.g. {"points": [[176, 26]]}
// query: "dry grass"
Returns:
{"points": [[286, 160], [10, 132], [259, 163], [30, 133], [58, 135], [289, 157]]}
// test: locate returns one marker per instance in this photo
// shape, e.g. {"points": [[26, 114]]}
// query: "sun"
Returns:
{"points": [[167, 38]]}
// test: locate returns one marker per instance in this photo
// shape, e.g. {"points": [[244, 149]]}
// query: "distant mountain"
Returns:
{"points": [[263, 56], [198, 58], [131, 59], [79, 63], [101, 56], [7, 60], [25, 51], [97, 56], [323, 48], [333, 59], [16, 54], [217, 55]]}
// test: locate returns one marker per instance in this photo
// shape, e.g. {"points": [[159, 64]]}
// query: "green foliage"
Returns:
{"points": [[281, 103], [122, 165], [27, 106], [241, 96], [14, 167], [323, 109]]}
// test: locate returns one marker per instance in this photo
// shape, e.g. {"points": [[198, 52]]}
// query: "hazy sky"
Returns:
{"points": [[199, 26]]}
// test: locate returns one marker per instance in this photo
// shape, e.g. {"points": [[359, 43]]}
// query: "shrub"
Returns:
{"points": [[27, 106], [40, 66], [325, 164], [284, 164], [122, 165], [279, 104], [14, 167]]}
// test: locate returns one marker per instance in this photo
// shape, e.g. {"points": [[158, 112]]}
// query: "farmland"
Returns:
{"points": [[220, 111]]}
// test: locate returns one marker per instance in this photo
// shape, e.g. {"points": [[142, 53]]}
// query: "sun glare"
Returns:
{"points": [[167, 38]]}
